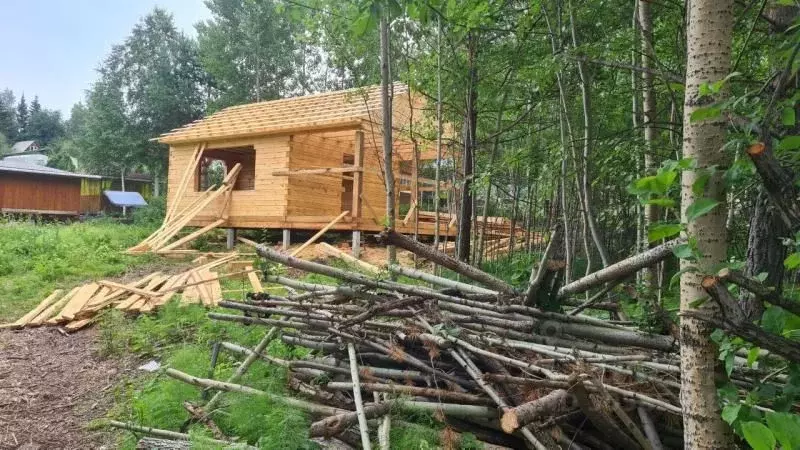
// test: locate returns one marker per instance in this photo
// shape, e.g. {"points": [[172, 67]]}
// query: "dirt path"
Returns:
{"points": [[51, 386]]}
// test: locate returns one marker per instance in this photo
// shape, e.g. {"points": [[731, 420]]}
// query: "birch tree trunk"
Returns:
{"points": [[587, 146], [650, 133], [708, 60], [386, 106]]}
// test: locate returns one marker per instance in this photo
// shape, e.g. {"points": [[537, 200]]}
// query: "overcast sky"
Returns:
{"points": [[51, 48]]}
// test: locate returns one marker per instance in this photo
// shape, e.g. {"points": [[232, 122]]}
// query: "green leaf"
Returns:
{"points": [[774, 319], [729, 359], [362, 23], [683, 251], [699, 185], [752, 356], [758, 436], [792, 261], [705, 113], [789, 143], [786, 428], [699, 208], [788, 117], [662, 201], [730, 412], [663, 231]]}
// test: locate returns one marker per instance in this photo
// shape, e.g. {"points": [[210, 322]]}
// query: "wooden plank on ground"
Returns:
{"points": [[78, 301], [254, 281], [76, 325], [214, 288], [53, 309], [137, 299], [146, 292], [191, 294], [335, 252], [320, 233], [204, 289], [191, 236], [116, 293], [44, 304], [178, 280]]}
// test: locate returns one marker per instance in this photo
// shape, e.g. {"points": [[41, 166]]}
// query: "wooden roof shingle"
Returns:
{"points": [[338, 109]]}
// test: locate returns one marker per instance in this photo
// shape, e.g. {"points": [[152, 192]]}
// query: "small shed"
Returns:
{"points": [[304, 162], [120, 199], [92, 190], [33, 189]]}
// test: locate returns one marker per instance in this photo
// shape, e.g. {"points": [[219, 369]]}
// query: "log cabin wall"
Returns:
{"points": [[39, 194], [262, 206], [316, 198]]}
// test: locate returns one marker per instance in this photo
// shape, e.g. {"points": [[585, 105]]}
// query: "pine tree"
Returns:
{"points": [[22, 117]]}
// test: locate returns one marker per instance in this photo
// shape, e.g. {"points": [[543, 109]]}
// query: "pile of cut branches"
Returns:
{"points": [[482, 359]]}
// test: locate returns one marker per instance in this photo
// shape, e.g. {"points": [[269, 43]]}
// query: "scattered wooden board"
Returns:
{"points": [[52, 298], [254, 281], [77, 303], [53, 309]]}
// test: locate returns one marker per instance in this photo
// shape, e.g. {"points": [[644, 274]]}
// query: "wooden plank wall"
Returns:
{"points": [[46, 194], [316, 195], [249, 208]]}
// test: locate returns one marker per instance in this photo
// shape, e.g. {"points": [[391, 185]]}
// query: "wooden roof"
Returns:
{"points": [[338, 109]]}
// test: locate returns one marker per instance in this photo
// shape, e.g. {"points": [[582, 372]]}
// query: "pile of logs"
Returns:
{"points": [[488, 360]]}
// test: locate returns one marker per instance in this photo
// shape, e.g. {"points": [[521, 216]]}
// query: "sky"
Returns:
{"points": [[52, 48]]}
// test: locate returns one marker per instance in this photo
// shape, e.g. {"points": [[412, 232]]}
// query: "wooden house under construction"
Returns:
{"points": [[302, 163]]}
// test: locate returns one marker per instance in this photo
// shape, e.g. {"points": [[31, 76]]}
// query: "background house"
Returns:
{"points": [[27, 188]]}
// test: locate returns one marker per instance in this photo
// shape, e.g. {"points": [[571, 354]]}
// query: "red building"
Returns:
{"points": [[32, 189]]}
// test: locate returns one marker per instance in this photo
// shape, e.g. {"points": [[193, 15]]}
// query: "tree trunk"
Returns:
{"points": [[650, 134], [492, 158], [765, 252], [386, 107], [122, 183], [470, 119], [708, 60], [587, 146]]}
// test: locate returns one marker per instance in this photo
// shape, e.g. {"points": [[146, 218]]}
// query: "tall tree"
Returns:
{"points": [[467, 159], [22, 118], [44, 125], [36, 107], [8, 115], [709, 39], [250, 49], [386, 110], [645, 23], [151, 83]]}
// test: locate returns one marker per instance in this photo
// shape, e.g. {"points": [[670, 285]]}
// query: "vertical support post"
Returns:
{"points": [[287, 238], [231, 238], [358, 176], [356, 243], [358, 188]]}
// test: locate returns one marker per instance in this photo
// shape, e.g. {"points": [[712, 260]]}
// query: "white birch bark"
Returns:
{"points": [[708, 60]]}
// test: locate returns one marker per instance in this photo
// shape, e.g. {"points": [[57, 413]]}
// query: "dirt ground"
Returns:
{"points": [[51, 387]]}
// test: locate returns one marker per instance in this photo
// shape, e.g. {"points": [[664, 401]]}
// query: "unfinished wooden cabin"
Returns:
{"points": [[303, 162]]}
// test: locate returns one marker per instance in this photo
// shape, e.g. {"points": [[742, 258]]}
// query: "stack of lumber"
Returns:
{"points": [[490, 360], [80, 306], [175, 220]]}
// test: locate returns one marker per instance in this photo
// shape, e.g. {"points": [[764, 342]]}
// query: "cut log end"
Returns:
{"points": [[756, 149], [709, 282], [509, 421]]}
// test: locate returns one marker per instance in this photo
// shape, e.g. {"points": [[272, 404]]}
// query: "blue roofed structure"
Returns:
{"points": [[125, 199]]}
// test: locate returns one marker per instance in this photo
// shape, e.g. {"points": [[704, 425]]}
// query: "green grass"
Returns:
{"points": [[35, 259]]}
